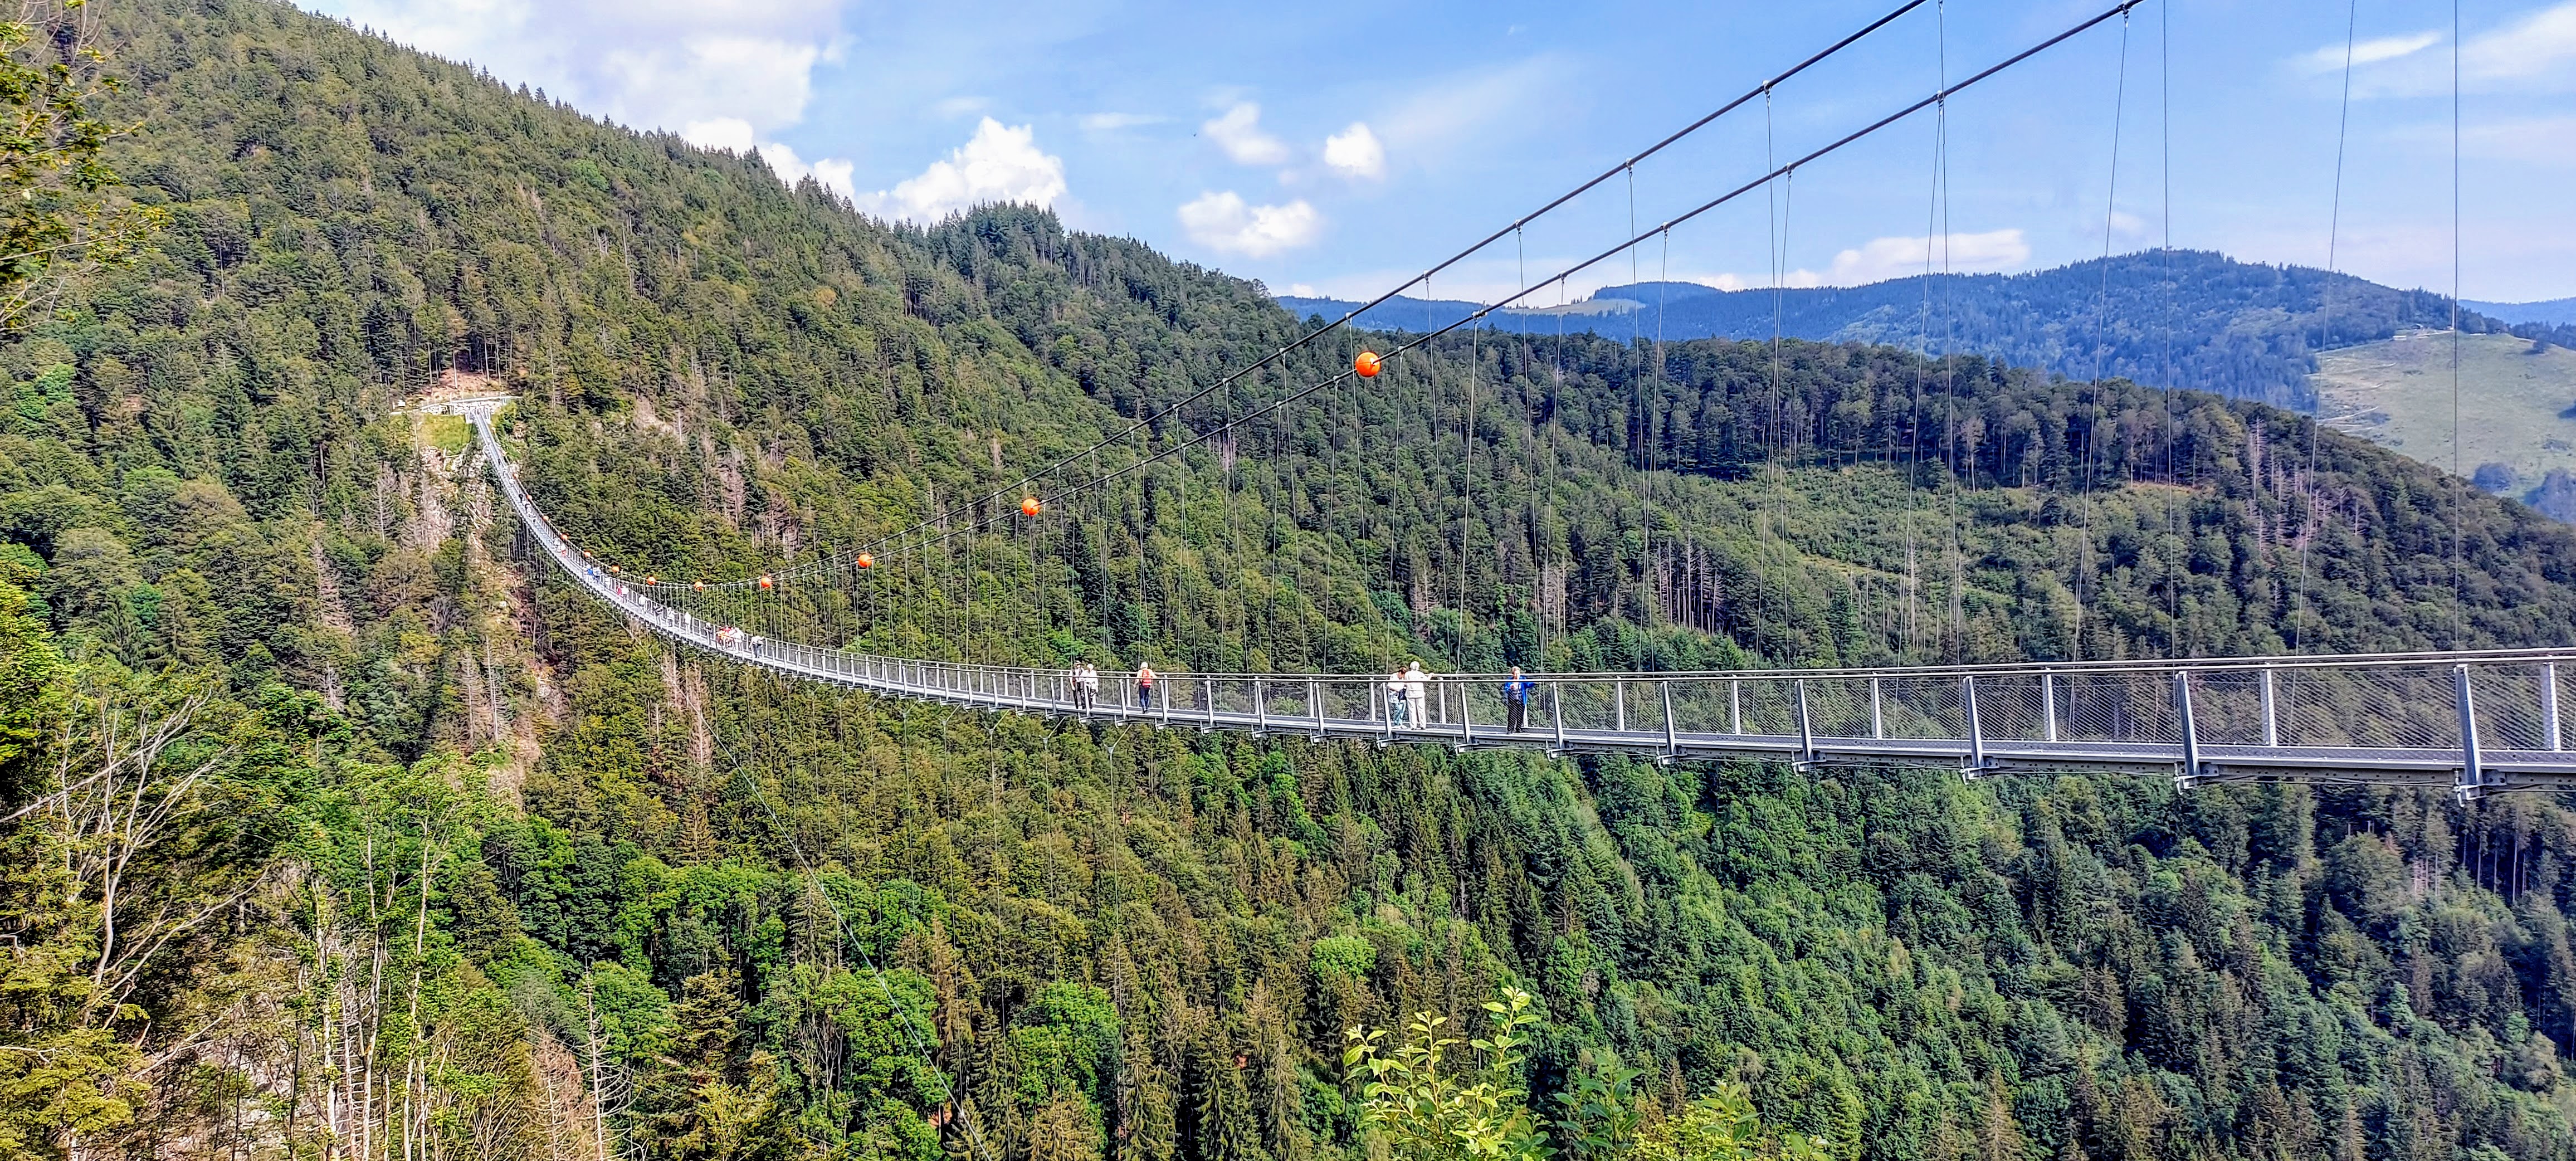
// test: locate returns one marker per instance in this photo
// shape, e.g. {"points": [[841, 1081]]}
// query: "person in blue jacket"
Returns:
{"points": [[1516, 695]]}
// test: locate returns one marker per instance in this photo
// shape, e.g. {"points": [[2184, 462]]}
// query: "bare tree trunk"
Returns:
{"points": [[330, 1017], [419, 945], [607, 1092]]}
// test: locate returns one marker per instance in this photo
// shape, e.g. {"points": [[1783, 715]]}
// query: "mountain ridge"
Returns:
{"points": [[2555, 312], [2245, 329]]}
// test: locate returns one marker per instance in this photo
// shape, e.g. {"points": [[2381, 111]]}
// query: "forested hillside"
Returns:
{"points": [[2185, 318], [334, 829]]}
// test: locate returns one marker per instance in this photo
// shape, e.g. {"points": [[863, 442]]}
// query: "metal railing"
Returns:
{"points": [[2478, 722]]}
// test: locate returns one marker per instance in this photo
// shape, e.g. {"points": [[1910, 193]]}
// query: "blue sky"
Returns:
{"points": [[1339, 147]]}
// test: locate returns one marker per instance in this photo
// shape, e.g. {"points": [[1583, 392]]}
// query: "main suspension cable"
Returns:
{"points": [[2334, 234]]}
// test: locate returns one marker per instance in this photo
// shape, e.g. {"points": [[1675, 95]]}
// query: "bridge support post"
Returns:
{"points": [[2190, 730], [2472, 772], [2048, 697], [1976, 730], [2271, 715], [1619, 705], [1556, 709], [1672, 742], [2549, 706], [1877, 711], [1315, 703], [1734, 706], [1466, 720], [1260, 709], [1806, 728]]}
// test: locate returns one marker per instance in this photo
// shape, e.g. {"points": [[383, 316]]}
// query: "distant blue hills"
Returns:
{"points": [[2196, 319], [2556, 312]]}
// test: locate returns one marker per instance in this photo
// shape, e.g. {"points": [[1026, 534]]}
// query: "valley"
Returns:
{"points": [[335, 825]]}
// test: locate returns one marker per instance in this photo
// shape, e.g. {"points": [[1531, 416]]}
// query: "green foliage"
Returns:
{"points": [[1722, 1126], [1422, 1113], [1600, 1107], [1067, 1040], [57, 219], [1431, 1113], [1347, 956], [868, 1090], [447, 433], [28, 668], [713, 1097]]}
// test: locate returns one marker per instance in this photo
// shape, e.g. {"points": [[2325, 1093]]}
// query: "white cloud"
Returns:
{"points": [[959, 106], [732, 133], [649, 63], [1000, 163], [1884, 258], [2541, 46], [784, 162], [1881, 259], [2329, 59], [736, 134], [1113, 122], [2389, 47], [835, 175], [1238, 132], [1355, 152], [2535, 53], [1222, 222]]}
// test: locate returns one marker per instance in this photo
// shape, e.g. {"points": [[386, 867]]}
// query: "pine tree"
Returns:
{"points": [[1063, 1130], [1228, 1128], [1998, 1136]]}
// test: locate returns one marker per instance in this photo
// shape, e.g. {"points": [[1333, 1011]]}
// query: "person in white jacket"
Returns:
{"points": [[1416, 692]]}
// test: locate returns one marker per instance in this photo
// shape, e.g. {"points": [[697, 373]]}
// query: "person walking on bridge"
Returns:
{"points": [[1395, 700], [1144, 686], [1516, 695], [1417, 692], [1086, 685]]}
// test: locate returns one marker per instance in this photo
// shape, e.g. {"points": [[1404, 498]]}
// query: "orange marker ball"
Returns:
{"points": [[701, 586], [764, 580], [1368, 364], [1029, 506], [867, 561]]}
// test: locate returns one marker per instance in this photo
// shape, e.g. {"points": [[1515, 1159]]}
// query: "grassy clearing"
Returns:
{"points": [[447, 433], [2517, 402]]}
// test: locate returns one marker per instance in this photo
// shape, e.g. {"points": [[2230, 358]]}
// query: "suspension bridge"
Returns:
{"points": [[2474, 722]]}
